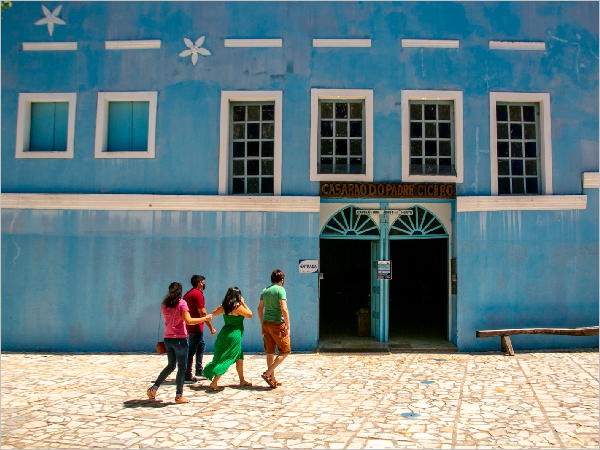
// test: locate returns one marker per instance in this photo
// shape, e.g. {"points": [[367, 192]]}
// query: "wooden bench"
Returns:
{"points": [[506, 346]]}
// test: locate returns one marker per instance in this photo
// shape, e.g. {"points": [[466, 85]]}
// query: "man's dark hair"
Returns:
{"points": [[277, 276], [197, 279]]}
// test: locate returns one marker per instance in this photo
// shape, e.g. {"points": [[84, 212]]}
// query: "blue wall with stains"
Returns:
{"points": [[187, 140], [528, 269], [94, 280]]}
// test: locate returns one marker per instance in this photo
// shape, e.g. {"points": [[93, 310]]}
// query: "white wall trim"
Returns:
{"points": [[48, 46], [430, 43], [521, 203], [102, 123], [253, 42], [516, 45], [350, 94], [24, 124], [341, 43], [133, 45], [457, 97], [545, 135], [141, 202], [590, 180], [224, 158]]}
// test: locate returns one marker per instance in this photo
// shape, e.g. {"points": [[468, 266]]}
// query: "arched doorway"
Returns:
{"points": [[347, 247], [418, 291]]}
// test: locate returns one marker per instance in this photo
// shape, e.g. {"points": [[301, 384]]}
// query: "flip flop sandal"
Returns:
{"points": [[277, 383], [268, 380], [151, 394], [181, 400]]}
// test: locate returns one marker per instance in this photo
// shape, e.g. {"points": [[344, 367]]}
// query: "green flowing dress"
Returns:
{"points": [[228, 347]]}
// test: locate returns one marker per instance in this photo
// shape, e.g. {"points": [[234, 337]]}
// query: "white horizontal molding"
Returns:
{"points": [[253, 42], [430, 43], [133, 45], [516, 45], [521, 203], [141, 202], [48, 46], [341, 42], [590, 180]]}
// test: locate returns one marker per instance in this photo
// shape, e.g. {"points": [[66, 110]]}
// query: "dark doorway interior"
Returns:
{"points": [[345, 287], [419, 288]]}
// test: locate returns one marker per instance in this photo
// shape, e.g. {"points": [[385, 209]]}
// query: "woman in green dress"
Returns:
{"points": [[228, 345]]}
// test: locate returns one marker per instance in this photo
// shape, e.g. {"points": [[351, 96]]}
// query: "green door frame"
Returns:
{"points": [[382, 298]]}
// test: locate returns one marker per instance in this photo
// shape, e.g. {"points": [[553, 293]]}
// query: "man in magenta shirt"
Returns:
{"points": [[195, 301]]}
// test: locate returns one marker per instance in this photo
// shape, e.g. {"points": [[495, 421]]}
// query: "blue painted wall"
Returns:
{"points": [[189, 96], [521, 269], [94, 280]]}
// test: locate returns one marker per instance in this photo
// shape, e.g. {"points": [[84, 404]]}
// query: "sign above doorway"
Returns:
{"points": [[384, 212], [387, 190], [384, 270]]}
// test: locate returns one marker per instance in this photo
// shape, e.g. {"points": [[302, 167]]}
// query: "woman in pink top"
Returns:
{"points": [[176, 314]]}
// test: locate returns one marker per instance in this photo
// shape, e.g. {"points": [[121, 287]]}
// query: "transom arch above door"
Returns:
{"points": [[346, 223], [422, 223]]}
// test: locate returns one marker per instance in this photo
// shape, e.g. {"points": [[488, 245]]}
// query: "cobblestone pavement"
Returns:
{"points": [[403, 400]]}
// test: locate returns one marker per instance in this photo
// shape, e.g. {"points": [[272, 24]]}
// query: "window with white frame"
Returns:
{"points": [[126, 125], [341, 135], [46, 125], [521, 156], [250, 147], [432, 136]]}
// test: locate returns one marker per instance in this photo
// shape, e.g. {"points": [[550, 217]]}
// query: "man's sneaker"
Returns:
{"points": [[199, 373], [190, 379]]}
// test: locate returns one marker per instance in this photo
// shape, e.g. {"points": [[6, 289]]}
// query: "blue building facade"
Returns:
{"points": [[144, 142]]}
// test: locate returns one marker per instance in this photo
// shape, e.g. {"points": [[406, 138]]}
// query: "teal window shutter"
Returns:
{"points": [[48, 130], [128, 126]]}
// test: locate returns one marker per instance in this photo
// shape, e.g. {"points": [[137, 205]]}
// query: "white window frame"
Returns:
{"points": [[224, 145], [24, 124], [545, 144], [457, 98], [102, 123], [341, 94]]}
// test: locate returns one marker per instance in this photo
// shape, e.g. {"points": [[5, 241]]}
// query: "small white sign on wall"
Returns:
{"points": [[308, 266]]}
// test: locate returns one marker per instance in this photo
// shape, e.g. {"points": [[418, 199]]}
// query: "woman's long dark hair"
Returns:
{"points": [[171, 300], [231, 300]]}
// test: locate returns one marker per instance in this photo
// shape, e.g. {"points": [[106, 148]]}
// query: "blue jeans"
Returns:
{"points": [[177, 351], [196, 342]]}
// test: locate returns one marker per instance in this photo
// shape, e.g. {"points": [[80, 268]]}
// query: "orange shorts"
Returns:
{"points": [[274, 334]]}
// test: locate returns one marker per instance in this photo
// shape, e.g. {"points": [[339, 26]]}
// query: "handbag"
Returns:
{"points": [[160, 345]]}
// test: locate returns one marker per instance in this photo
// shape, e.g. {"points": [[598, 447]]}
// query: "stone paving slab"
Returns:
{"points": [[364, 400]]}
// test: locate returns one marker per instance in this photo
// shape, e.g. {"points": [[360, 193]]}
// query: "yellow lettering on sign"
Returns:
{"points": [[443, 190], [337, 189], [344, 189], [436, 190], [380, 189], [372, 189], [388, 190], [421, 190], [351, 190], [429, 190], [325, 189]]}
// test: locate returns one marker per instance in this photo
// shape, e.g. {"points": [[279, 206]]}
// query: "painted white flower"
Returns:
{"points": [[194, 49], [51, 18]]}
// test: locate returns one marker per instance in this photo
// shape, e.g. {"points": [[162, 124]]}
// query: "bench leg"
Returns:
{"points": [[506, 346]]}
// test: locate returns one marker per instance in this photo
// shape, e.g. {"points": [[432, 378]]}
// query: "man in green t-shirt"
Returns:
{"points": [[275, 322]]}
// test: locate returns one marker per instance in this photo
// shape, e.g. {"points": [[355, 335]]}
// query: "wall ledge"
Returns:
{"points": [[142, 202], [524, 203], [590, 180]]}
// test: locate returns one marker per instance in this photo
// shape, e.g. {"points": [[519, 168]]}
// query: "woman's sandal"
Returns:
{"points": [[151, 392], [277, 383], [181, 400]]}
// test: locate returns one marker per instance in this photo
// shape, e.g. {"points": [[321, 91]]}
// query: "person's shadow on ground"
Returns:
{"points": [[147, 403]]}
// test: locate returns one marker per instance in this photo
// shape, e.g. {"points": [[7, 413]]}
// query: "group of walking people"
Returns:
{"points": [[183, 337]]}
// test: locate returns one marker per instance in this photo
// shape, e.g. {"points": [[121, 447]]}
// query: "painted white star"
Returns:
{"points": [[194, 49], [51, 18]]}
